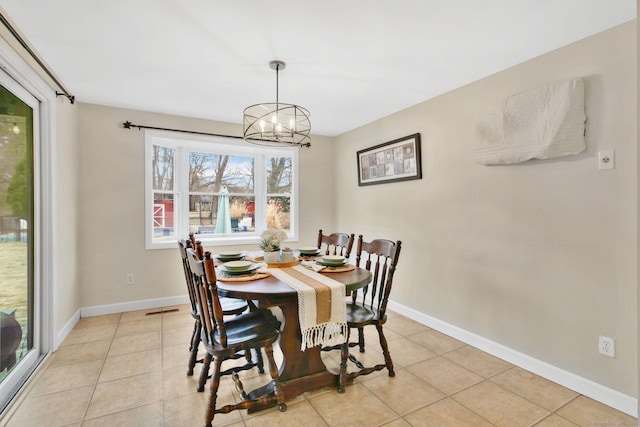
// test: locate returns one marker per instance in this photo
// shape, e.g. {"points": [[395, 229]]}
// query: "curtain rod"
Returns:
{"points": [[26, 47], [129, 125]]}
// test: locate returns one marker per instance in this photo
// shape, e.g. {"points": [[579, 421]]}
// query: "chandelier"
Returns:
{"points": [[277, 123]]}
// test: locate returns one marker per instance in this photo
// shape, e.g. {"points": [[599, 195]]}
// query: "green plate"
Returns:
{"points": [[237, 265], [308, 249], [308, 252], [332, 264], [254, 266], [229, 254], [333, 259], [224, 257]]}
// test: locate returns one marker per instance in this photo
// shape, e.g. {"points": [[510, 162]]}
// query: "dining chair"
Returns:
{"points": [[230, 307], [368, 305], [336, 243], [223, 338]]}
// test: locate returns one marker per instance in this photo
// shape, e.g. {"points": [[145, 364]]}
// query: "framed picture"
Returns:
{"points": [[397, 160]]}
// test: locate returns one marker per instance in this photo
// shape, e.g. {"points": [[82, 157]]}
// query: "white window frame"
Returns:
{"points": [[185, 143]]}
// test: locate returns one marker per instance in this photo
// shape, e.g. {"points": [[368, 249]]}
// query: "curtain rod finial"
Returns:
{"points": [[71, 98], [129, 125]]}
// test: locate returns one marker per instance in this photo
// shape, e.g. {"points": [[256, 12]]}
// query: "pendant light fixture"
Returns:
{"points": [[277, 124]]}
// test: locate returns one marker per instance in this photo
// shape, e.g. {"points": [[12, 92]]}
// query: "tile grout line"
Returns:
{"points": [[490, 378], [162, 367], [450, 395], [104, 361], [555, 411]]}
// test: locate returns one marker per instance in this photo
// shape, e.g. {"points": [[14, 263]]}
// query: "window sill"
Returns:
{"points": [[208, 241]]}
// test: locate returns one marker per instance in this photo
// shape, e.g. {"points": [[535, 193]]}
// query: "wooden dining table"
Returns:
{"points": [[300, 371]]}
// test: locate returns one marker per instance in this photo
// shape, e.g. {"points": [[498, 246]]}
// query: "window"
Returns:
{"points": [[224, 190]]}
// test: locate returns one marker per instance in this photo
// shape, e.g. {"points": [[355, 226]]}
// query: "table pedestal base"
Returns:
{"points": [[295, 388]]}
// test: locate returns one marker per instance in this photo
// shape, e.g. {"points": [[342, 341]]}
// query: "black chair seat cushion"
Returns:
{"points": [[247, 329]]}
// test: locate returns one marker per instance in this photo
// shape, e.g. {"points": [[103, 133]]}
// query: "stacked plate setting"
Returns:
{"points": [[238, 268], [332, 260], [309, 251], [229, 256]]}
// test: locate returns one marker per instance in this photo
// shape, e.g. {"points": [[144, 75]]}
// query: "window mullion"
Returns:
{"points": [[182, 192], [261, 192]]}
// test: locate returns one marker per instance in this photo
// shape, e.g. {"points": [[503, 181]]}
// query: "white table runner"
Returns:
{"points": [[321, 305]]}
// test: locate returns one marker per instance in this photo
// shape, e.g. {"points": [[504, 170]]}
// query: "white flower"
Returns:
{"points": [[274, 234]]}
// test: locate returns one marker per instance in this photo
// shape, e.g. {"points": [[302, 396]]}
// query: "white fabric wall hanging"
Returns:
{"points": [[538, 124]]}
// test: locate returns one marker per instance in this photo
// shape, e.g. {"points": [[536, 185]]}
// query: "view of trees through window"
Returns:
{"points": [[226, 193], [16, 219], [217, 184], [279, 177]]}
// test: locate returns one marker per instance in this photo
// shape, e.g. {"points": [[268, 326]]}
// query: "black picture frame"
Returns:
{"points": [[393, 161]]}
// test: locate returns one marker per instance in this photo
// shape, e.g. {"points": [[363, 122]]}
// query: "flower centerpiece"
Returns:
{"points": [[270, 241]]}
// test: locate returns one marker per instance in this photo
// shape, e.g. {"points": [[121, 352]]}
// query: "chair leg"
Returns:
{"points": [[361, 339], [259, 361], [239, 386], [344, 355], [193, 335], [204, 373], [273, 370], [193, 348], [213, 391], [385, 351]]}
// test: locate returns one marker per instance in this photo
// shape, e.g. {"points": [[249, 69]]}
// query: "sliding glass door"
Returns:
{"points": [[19, 328]]}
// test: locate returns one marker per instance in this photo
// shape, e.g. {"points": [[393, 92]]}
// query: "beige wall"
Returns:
{"points": [[111, 219], [66, 294], [540, 256]]}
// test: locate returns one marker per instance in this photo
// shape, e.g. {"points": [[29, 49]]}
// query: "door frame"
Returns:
{"points": [[44, 206]]}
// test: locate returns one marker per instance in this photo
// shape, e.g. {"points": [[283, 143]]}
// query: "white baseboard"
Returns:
{"points": [[99, 310], [598, 392], [62, 334]]}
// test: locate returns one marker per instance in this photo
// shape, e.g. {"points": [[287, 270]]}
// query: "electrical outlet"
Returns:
{"points": [[606, 159], [606, 346], [130, 280]]}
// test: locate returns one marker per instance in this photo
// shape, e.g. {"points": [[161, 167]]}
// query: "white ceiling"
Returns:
{"points": [[348, 61]]}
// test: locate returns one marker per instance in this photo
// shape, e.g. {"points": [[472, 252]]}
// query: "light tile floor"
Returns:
{"points": [[129, 370]]}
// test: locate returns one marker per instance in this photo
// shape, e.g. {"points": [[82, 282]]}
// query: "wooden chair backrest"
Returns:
{"points": [[205, 284], [336, 243], [380, 257], [183, 245]]}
